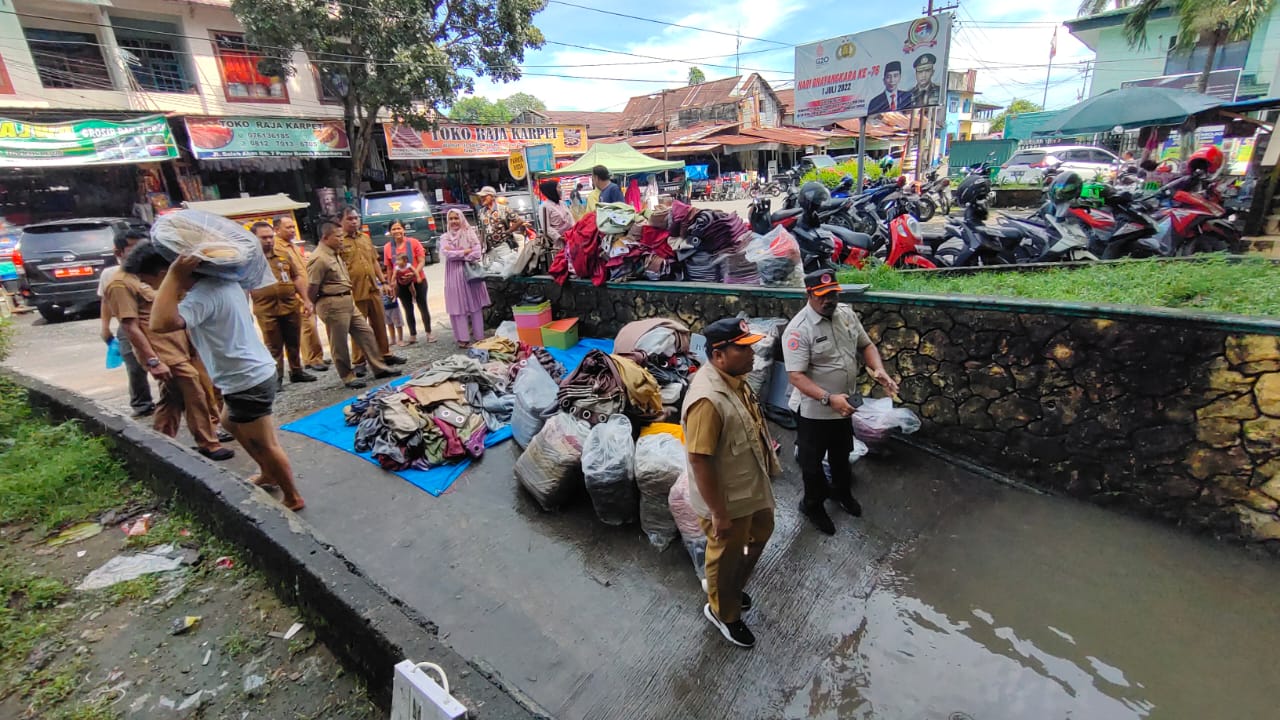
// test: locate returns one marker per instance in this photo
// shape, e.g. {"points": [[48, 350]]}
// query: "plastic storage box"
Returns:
{"points": [[562, 334], [532, 317], [530, 336]]}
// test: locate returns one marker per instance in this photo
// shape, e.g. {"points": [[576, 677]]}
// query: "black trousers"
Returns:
{"points": [[409, 294], [139, 379], [832, 439]]}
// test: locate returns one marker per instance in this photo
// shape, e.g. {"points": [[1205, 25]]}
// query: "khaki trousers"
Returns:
{"points": [[282, 335], [371, 309], [731, 560], [187, 393], [312, 350], [343, 321]]}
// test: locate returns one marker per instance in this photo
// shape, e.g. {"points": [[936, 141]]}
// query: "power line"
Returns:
{"points": [[668, 24]]}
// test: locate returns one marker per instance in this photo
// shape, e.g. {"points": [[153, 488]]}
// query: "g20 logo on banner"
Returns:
{"points": [[922, 33], [820, 55]]}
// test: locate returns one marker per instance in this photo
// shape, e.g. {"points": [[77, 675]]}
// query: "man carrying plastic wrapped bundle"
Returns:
{"points": [[368, 285], [732, 463], [820, 348], [329, 287], [280, 306], [217, 315], [167, 356]]}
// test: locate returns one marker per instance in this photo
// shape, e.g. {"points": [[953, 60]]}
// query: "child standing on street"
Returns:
{"points": [[395, 320]]}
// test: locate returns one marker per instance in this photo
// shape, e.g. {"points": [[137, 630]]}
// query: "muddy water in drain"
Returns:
{"points": [[1041, 608]]}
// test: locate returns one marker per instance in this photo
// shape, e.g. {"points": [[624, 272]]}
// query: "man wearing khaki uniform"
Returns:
{"points": [[280, 307], [312, 352], [367, 285], [732, 463], [329, 287]]}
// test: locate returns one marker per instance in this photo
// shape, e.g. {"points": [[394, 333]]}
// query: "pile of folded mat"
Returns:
{"points": [[610, 427], [679, 242]]}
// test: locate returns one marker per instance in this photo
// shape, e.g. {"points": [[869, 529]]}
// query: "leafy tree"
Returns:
{"points": [[1017, 107], [521, 102], [1215, 22], [478, 109], [406, 58], [696, 76]]}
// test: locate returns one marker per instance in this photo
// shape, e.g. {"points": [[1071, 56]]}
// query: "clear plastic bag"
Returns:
{"points": [[695, 541], [549, 469], [535, 392], [507, 329], [876, 418], [660, 460], [225, 249], [608, 466], [778, 243]]}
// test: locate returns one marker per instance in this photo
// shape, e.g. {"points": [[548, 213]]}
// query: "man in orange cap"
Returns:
{"points": [[731, 464], [821, 348]]}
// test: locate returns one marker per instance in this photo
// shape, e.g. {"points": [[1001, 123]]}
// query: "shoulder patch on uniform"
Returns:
{"points": [[793, 340]]}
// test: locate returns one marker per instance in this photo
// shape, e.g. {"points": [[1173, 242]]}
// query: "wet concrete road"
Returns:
{"points": [[953, 597]]}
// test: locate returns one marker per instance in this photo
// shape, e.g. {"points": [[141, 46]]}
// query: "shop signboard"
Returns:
{"points": [[516, 164], [214, 138], [85, 142], [892, 69], [1223, 84], [541, 158], [480, 141]]}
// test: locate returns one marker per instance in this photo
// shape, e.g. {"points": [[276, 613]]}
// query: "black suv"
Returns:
{"points": [[63, 261]]}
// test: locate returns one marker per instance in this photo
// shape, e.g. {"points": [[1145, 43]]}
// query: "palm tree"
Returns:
{"points": [[1216, 21]]}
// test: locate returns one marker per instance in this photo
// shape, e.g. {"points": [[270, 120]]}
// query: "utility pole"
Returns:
{"points": [[932, 113], [664, 125], [1053, 50], [737, 56]]}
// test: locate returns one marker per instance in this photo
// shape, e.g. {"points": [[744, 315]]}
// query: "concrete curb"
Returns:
{"points": [[365, 626]]}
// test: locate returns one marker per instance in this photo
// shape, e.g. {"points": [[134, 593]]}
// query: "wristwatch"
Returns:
{"points": [[153, 362], [826, 399]]}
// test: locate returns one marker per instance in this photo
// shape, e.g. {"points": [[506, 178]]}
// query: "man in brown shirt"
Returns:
{"points": [[731, 465], [329, 287], [280, 307], [368, 285], [169, 357], [310, 347]]}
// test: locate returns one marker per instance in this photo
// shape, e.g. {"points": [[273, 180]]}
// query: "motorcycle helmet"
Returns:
{"points": [[1207, 159], [812, 195], [1065, 188], [973, 189]]}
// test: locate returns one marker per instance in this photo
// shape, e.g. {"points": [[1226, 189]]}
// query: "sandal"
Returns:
{"points": [[295, 507], [431, 337], [403, 344], [413, 340]]}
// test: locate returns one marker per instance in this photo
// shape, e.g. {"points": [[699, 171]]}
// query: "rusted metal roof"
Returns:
{"points": [[646, 111], [599, 124]]}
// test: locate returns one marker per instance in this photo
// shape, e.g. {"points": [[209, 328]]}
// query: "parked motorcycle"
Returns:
{"points": [[905, 246], [937, 191], [970, 241]]}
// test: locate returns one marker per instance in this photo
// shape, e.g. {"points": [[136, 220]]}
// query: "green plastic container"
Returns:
{"points": [[562, 334]]}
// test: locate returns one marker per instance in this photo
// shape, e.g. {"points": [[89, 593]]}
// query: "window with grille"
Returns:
{"points": [[68, 59], [242, 80], [153, 54]]}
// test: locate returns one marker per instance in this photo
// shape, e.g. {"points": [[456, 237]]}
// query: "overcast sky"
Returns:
{"points": [[1006, 41]]}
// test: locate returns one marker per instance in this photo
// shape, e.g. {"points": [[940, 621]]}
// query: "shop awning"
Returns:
{"points": [[225, 138], [620, 158], [236, 207], [85, 142]]}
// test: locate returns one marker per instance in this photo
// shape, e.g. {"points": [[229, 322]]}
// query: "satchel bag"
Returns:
{"points": [[474, 271]]}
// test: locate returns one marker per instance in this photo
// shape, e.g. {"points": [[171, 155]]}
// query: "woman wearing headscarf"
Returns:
{"points": [[555, 218], [464, 300]]}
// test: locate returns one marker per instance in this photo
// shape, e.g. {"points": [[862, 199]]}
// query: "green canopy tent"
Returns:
{"points": [[620, 158], [1128, 108]]}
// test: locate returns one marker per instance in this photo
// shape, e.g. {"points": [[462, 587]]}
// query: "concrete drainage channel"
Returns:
{"points": [[368, 629]]}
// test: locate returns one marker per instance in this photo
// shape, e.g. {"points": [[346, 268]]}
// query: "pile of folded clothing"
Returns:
{"points": [[661, 347], [440, 416]]}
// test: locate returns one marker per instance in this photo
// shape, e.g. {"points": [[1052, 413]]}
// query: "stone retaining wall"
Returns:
{"points": [[1173, 415]]}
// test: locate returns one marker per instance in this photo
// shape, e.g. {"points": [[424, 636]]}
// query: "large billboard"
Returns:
{"points": [[1223, 84], [85, 142], [892, 69], [480, 141], [249, 137]]}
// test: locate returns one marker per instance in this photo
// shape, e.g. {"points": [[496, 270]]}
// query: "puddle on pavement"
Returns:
{"points": [[1035, 607]]}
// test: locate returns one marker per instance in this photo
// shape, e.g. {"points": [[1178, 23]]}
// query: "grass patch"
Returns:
{"points": [[1245, 286], [141, 588], [51, 475], [239, 645], [99, 709]]}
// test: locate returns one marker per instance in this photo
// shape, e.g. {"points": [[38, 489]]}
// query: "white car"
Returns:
{"points": [[1027, 167]]}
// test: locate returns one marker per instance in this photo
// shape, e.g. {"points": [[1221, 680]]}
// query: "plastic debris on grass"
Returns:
{"points": [[132, 566], [75, 533]]}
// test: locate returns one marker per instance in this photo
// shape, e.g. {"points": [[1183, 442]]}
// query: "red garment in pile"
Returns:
{"points": [[582, 250]]}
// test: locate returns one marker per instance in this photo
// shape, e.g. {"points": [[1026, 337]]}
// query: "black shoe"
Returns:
{"points": [[355, 384], [224, 436], [386, 374], [319, 368], [851, 505], [746, 601], [393, 360], [301, 376], [359, 371], [819, 517], [735, 632], [144, 412], [218, 455]]}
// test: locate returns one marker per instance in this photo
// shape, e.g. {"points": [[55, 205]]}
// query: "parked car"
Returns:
{"points": [[521, 202], [62, 262], [813, 162], [409, 206], [1028, 167]]}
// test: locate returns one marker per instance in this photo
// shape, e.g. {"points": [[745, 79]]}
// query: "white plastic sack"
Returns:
{"points": [[877, 417], [535, 392], [608, 458], [660, 460], [683, 513], [226, 250], [507, 329], [549, 467]]}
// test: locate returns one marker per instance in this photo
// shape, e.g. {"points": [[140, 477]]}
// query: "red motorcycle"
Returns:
{"points": [[1196, 221], [904, 245]]}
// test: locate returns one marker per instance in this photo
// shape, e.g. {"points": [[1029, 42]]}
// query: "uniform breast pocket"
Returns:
{"points": [[823, 347]]}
